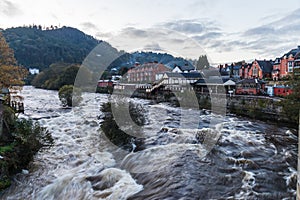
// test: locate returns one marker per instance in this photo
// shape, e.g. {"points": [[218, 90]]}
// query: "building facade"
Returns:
{"points": [[146, 73]]}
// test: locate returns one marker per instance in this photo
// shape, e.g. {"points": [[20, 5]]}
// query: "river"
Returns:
{"points": [[250, 160]]}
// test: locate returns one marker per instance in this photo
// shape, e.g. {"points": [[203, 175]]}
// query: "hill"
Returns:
{"points": [[129, 59], [37, 48]]}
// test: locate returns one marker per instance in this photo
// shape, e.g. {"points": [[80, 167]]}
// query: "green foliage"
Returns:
{"points": [[6, 148], [4, 183], [40, 48], [60, 74], [28, 138], [31, 136], [112, 130], [291, 105], [69, 95], [202, 62]]}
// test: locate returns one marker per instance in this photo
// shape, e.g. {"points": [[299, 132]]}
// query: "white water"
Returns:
{"points": [[78, 156], [83, 164]]}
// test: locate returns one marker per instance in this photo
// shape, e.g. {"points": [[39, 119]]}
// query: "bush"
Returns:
{"points": [[69, 95], [113, 132], [28, 138]]}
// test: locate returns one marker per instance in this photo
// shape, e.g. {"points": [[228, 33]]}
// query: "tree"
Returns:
{"points": [[69, 75], [123, 70], [69, 96], [202, 62], [291, 105], [10, 74]]}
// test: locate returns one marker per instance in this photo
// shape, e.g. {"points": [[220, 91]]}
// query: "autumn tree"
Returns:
{"points": [[11, 74]]}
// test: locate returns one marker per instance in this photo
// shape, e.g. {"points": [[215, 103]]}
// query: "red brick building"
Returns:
{"points": [[260, 69], [244, 71], [282, 91], [146, 73], [105, 83], [285, 65], [250, 86]]}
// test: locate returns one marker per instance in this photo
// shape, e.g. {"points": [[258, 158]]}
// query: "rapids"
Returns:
{"points": [[250, 160]]}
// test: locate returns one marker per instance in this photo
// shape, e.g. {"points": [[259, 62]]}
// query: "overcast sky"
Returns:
{"points": [[226, 30]]}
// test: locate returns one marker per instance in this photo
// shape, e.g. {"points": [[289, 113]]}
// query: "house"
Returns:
{"points": [[105, 86], [171, 78], [250, 86], [284, 65], [146, 73], [183, 69], [236, 71], [296, 67], [282, 90], [105, 83], [214, 84], [261, 69], [276, 70], [244, 70]]}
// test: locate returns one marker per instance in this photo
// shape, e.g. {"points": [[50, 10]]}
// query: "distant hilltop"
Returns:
{"points": [[36, 47]]}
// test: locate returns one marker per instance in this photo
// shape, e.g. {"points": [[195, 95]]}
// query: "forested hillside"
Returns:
{"points": [[37, 48]]}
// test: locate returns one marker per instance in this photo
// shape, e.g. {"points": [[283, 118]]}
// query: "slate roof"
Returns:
{"points": [[185, 75], [237, 67], [213, 80], [293, 52], [250, 81], [185, 68], [266, 66], [277, 61]]}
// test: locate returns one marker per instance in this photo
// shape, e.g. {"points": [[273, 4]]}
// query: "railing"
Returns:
{"points": [[18, 107]]}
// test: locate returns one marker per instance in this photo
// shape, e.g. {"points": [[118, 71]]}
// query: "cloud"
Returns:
{"points": [[89, 26], [269, 40], [263, 30], [133, 32], [103, 35], [156, 39], [153, 46], [208, 36], [192, 26], [9, 9], [185, 26]]}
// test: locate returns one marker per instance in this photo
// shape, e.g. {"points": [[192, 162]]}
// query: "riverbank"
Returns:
{"points": [[267, 109], [20, 139]]}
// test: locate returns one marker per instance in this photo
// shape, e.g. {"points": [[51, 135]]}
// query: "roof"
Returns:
{"points": [[281, 86], [277, 61], [214, 80], [148, 65], [185, 67], [195, 75], [237, 67], [229, 82], [210, 72], [250, 81], [293, 52], [266, 66]]}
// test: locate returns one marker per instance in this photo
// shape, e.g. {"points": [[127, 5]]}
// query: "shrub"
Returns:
{"points": [[69, 95]]}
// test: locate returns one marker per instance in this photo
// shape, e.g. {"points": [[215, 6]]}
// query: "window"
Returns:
{"points": [[254, 72], [290, 66]]}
